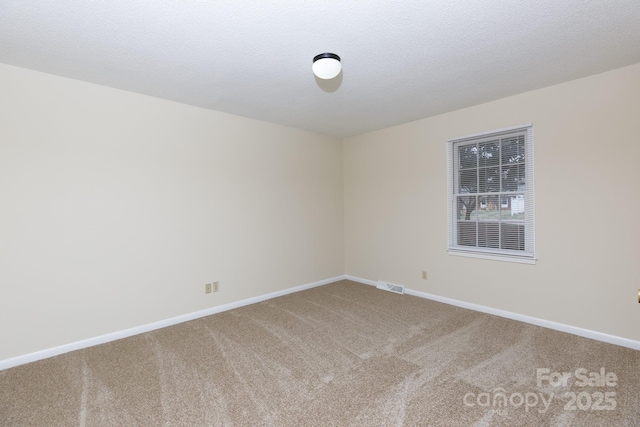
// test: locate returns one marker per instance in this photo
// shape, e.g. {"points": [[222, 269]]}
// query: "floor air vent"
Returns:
{"points": [[391, 288]]}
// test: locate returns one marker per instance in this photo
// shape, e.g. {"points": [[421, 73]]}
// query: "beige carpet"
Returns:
{"points": [[340, 354]]}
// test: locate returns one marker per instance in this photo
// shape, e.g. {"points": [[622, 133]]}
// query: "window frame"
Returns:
{"points": [[527, 254]]}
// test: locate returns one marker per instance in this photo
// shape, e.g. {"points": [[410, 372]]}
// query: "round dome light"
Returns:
{"points": [[326, 65]]}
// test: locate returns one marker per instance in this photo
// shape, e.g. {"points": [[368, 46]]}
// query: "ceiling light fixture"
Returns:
{"points": [[326, 65]]}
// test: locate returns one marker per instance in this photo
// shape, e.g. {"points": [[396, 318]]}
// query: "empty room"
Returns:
{"points": [[319, 214]]}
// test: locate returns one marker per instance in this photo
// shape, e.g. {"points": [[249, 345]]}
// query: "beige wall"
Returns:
{"points": [[117, 208], [587, 161]]}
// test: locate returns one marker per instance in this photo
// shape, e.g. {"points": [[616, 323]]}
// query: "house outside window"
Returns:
{"points": [[490, 195]]}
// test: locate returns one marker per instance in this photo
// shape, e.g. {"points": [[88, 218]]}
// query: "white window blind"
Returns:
{"points": [[491, 194]]}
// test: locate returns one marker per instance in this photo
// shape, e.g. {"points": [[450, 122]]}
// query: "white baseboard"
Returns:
{"points": [[599, 336], [44, 354]]}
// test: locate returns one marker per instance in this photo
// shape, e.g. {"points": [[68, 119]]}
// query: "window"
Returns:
{"points": [[490, 192]]}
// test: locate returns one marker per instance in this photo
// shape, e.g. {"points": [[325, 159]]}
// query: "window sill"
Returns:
{"points": [[494, 257]]}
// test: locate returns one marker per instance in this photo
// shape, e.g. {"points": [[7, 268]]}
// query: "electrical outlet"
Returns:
{"points": [[424, 275], [216, 286], [207, 288]]}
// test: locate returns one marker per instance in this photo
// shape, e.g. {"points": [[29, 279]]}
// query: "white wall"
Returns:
{"points": [[117, 208], [587, 165]]}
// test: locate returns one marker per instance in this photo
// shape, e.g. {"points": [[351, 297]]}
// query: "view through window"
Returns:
{"points": [[491, 193]]}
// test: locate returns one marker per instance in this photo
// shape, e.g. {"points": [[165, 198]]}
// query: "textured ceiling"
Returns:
{"points": [[402, 60]]}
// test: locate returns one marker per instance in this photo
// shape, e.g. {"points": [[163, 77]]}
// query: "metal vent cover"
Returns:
{"points": [[398, 289]]}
